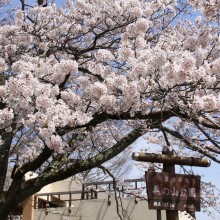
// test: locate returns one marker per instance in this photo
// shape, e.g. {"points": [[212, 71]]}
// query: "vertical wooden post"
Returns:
{"points": [[35, 202], [83, 192], [159, 214], [87, 194], [171, 214], [91, 191], [59, 200], [70, 199]]}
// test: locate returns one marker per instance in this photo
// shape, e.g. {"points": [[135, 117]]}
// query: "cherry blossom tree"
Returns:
{"points": [[80, 83]]}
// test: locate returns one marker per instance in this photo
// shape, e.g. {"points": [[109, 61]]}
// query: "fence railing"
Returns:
{"points": [[90, 190]]}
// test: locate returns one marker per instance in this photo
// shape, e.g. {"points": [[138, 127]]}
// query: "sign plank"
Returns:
{"points": [[171, 191]]}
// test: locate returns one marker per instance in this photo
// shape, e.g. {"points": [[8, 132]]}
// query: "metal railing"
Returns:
{"points": [[90, 190]]}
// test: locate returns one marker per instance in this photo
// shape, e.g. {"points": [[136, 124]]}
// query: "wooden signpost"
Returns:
{"points": [[169, 191]]}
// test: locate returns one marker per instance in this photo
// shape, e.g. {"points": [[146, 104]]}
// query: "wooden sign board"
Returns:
{"points": [[170, 191]]}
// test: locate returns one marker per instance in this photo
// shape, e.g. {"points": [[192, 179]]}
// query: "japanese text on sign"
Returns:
{"points": [[173, 191]]}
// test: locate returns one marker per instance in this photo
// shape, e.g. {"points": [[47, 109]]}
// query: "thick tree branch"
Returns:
{"points": [[84, 70], [35, 164], [98, 118], [79, 165]]}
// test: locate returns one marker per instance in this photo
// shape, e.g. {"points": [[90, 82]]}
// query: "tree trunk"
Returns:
{"points": [[10, 199], [4, 155]]}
